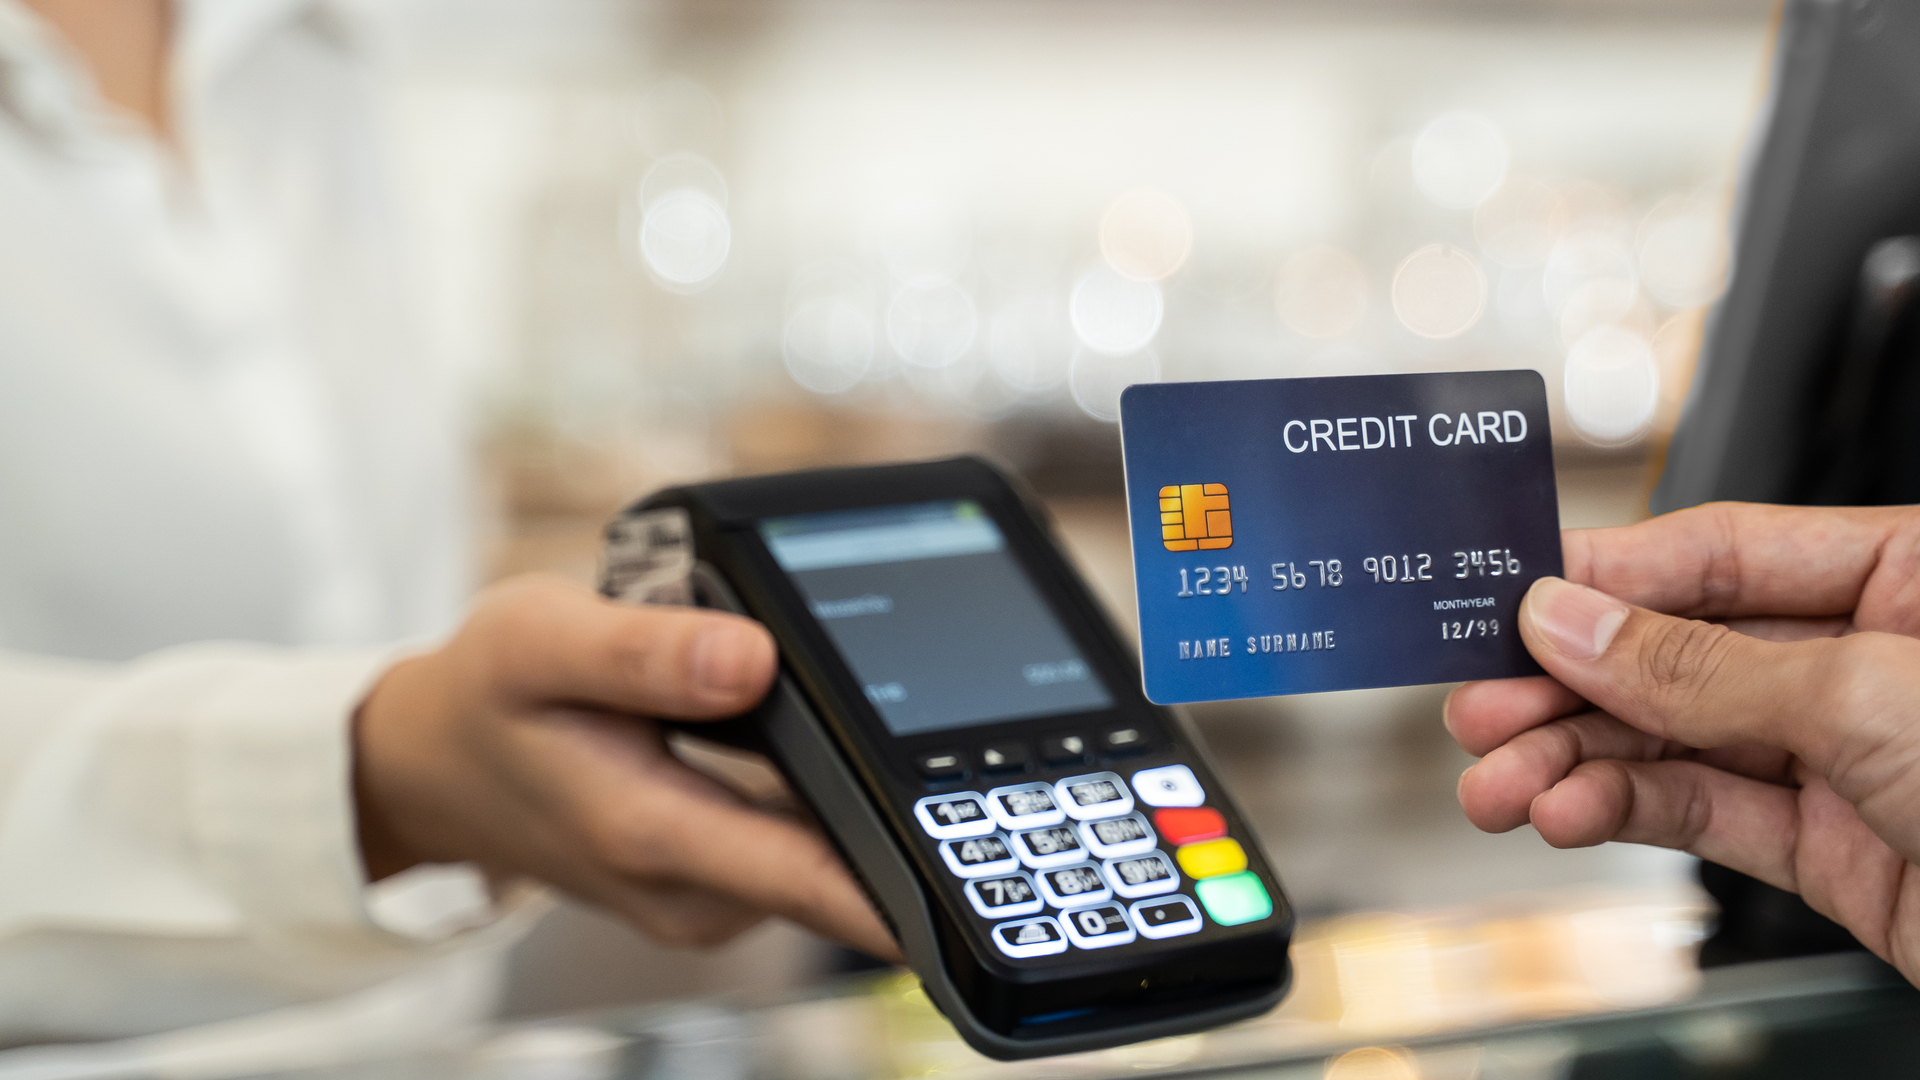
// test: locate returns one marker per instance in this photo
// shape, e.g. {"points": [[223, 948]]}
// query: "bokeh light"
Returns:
{"points": [[931, 322], [685, 238], [1683, 252], [1601, 302], [1237, 217], [828, 344], [1581, 258], [1030, 346], [1373, 1063], [1459, 159], [1096, 379], [1146, 235], [1612, 386], [1321, 292], [679, 172], [1518, 224], [1114, 314], [685, 235], [1439, 291]]}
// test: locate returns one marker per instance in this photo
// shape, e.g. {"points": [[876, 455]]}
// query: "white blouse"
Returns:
{"points": [[214, 427]]}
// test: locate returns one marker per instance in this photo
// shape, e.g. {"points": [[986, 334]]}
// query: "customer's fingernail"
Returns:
{"points": [[723, 656], [1577, 621]]}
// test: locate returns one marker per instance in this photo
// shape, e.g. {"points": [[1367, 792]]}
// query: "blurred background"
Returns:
{"points": [[667, 240]]}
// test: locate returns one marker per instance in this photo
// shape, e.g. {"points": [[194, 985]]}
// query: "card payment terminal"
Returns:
{"points": [[1061, 867]]}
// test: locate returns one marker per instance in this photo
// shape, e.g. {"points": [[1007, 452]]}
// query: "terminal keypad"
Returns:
{"points": [[1004, 897], [1055, 845], [1098, 927], [1074, 886], [949, 816], [1143, 875], [979, 856], [1094, 860], [1116, 837], [1039, 936]]}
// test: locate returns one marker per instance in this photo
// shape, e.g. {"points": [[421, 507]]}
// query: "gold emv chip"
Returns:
{"points": [[1195, 517]]}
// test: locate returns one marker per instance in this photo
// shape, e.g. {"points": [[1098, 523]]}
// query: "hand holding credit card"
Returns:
{"points": [[1298, 535]]}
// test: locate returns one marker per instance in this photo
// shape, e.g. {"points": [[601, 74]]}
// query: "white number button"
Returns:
{"points": [[1143, 875], [949, 817], [1169, 785], [1055, 845], [1098, 927], [982, 856], [1096, 795], [1025, 806], [1004, 897], [1115, 838], [1074, 886]]}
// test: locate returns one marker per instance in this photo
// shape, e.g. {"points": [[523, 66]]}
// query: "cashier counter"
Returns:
{"points": [[1843, 1015]]}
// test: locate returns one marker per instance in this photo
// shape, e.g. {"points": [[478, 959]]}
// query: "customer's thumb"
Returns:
{"points": [[1694, 682]]}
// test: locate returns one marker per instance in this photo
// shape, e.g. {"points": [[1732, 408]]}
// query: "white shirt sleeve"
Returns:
{"points": [[198, 801]]}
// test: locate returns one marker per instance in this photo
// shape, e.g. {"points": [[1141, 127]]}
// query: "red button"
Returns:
{"points": [[1184, 825]]}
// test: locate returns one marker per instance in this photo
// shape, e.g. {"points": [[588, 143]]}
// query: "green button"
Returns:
{"points": [[1235, 898]]}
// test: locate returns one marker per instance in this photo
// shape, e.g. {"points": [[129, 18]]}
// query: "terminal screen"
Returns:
{"points": [[940, 625]]}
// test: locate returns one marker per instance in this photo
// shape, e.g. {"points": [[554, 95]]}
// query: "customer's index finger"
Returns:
{"points": [[1727, 560]]}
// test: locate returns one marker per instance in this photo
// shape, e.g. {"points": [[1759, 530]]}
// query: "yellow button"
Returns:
{"points": [[1212, 858]]}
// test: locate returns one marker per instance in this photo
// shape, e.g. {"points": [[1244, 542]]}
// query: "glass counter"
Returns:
{"points": [[1582, 986]]}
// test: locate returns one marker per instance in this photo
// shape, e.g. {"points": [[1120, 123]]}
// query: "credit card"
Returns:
{"points": [[1299, 535]]}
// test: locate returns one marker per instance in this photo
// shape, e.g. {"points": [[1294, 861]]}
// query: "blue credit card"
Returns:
{"points": [[1297, 535]]}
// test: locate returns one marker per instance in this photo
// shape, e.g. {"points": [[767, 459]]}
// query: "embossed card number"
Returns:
{"points": [[1303, 535]]}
